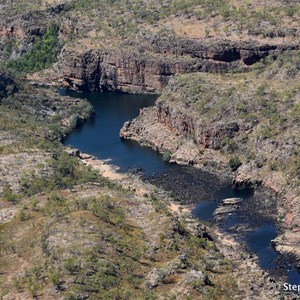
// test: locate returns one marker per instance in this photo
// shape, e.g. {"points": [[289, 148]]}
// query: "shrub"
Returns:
{"points": [[8, 194], [167, 156], [71, 265], [23, 215], [55, 277], [234, 163]]}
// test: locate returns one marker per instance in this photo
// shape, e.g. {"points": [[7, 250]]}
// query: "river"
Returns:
{"points": [[100, 137]]}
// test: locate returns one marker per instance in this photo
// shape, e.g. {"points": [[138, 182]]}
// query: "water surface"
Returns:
{"points": [[100, 136]]}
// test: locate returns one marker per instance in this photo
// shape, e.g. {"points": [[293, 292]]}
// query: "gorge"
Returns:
{"points": [[209, 129], [253, 223]]}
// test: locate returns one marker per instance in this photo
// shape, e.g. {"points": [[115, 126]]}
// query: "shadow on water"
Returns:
{"points": [[100, 137], [259, 241]]}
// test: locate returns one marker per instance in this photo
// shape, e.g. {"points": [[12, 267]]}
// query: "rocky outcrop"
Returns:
{"points": [[217, 50], [180, 124], [149, 66], [10, 31], [143, 63], [114, 70], [29, 23], [184, 124], [20, 32], [223, 125]]}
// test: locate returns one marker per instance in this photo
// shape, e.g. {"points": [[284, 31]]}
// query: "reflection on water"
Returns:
{"points": [[259, 241]]}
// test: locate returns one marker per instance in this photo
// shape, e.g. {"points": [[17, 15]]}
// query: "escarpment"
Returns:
{"points": [[235, 124], [183, 124], [149, 66], [122, 47], [178, 129]]}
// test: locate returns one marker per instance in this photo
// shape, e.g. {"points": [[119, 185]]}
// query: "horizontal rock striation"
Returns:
{"points": [[149, 66], [115, 70], [181, 124]]}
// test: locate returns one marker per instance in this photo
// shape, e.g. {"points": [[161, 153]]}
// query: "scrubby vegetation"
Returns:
{"points": [[7, 86], [38, 116], [89, 24], [65, 173], [42, 54], [78, 245], [74, 234], [234, 163], [125, 19], [264, 105], [66, 231], [122, 16]]}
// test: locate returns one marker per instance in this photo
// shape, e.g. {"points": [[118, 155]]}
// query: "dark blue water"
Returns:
{"points": [[100, 136], [258, 240]]}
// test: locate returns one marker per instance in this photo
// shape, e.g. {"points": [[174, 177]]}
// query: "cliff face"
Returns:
{"points": [[237, 124], [211, 145], [123, 47], [183, 124], [150, 68], [180, 133]]}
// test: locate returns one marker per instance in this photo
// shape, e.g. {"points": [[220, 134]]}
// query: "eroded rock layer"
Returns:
{"points": [[235, 123], [149, 67]]}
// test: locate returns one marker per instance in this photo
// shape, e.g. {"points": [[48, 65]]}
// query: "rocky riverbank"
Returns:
{"points": [[32, 121], [68, 232], [65, 216], [247, 264], [168, 236], [233, 124]]}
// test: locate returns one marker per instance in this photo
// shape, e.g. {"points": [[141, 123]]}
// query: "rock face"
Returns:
{"points": [[10, 31], [148, 67], [181, 124], [221, 124], [30, 23], [185, 125], [19, 33]]}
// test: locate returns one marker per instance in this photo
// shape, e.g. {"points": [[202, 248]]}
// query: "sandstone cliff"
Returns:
{"points": [[247, 123], [150, 68], [132, 48]]}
